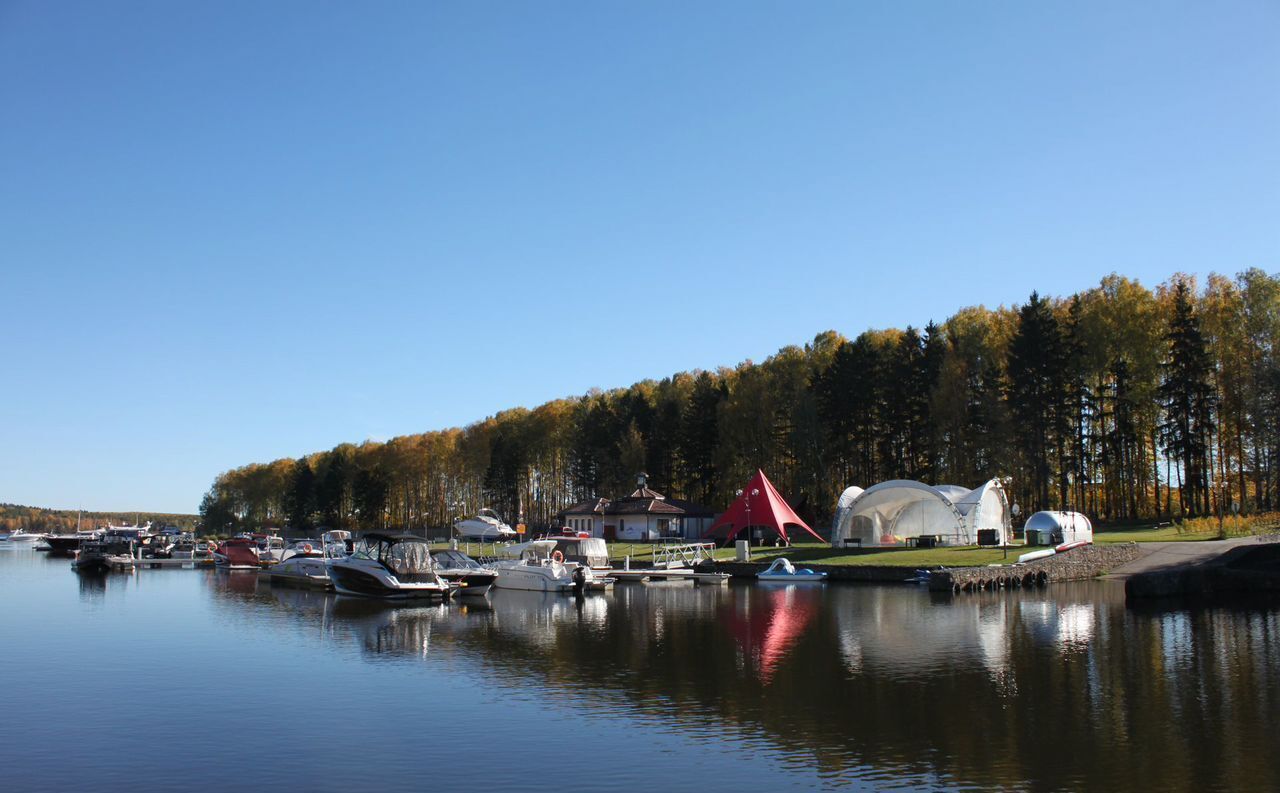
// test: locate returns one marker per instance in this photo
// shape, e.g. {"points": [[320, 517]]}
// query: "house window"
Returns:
{"points": [[622, 524]]}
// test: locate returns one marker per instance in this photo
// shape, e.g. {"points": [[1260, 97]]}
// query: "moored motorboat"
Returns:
{"points": [[539, 566], [391, 566], [465, 574], [304, 564], [22, 536], [68, 544], [783, 570], [238, 553], [112, 551], [590, 552]]}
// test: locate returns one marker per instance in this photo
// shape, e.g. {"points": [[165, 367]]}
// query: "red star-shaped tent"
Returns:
{"points": [[767, 508]]}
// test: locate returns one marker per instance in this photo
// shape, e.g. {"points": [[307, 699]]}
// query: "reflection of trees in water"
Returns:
{"points": [[1052, 689]]}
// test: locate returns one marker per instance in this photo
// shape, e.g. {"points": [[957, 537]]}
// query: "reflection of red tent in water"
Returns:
{"points": [[760, 505], [769, 621]]}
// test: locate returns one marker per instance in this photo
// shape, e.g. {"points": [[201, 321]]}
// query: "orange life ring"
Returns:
{"points": [[556, 556], [306, 547]]}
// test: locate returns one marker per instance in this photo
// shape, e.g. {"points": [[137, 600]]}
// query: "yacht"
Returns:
{"points": [[112, 551], [541, 567], [68, 544], [486, 526], [394, 566], [463, 572]]}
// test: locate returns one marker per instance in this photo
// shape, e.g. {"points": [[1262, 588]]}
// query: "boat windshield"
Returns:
{"points": [[406, 557], [455, 560]]}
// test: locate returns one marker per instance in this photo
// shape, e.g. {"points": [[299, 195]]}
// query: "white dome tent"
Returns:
{"points": [[1051, 528], [842, 508], [892, 512]]}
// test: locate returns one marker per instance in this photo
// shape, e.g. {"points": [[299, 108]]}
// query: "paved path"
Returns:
{"points": [[1164, 555]]}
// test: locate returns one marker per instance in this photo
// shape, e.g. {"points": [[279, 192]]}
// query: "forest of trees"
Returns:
{"points": [[64, 521], [1122, 402]]}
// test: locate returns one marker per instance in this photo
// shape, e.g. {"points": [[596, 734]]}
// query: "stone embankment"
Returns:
{"points": [[1077, 564], [866, 574], [1074, 565]]}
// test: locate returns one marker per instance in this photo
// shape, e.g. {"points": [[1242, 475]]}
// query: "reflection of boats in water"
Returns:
{"points": [[393, 566]]}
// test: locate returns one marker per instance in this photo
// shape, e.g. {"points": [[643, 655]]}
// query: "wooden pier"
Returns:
{"points": [[674, 574]]}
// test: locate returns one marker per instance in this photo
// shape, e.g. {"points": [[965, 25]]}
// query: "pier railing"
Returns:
{"points": [[686, 555]]}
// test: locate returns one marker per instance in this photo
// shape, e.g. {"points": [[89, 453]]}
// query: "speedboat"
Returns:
{"points": [[464, 573], [394, 566], [541, 567], [21, 535], [783, 570], [238, 553], [304, 564], [485, 526]]}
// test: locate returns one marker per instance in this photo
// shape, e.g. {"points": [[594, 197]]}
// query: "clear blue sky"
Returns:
{"points": [[236, 231]]}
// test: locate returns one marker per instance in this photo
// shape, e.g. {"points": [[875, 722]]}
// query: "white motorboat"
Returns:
{"points": [[393, 566], [486, 526], [469, 577], [540, 567], [24, 536], [303, 564], [783, 570], [590, 552]]}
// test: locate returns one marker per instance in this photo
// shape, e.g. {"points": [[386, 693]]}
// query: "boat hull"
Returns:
{"points": [[351, 581], [783, 578], [531, 580]]}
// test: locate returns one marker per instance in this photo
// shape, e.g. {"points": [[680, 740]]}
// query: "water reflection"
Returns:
{"points": [[876, 684]]}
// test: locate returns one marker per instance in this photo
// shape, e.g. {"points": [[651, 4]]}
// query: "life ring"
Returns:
{"points": [[556, 556], [306, 547]]}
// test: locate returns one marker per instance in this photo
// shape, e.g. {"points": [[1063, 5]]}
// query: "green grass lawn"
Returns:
{"points": [[642, 554]]}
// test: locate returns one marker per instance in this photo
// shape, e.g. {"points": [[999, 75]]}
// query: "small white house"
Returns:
{"points": [[1055, 528], [643, 516]]}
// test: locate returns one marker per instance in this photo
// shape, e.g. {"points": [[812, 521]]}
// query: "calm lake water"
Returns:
{"points": [[182, 679]]}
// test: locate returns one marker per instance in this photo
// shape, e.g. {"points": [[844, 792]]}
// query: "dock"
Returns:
{"points": [[680, 574]]}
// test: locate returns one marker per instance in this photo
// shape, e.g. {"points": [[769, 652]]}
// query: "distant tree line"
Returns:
{"points": [[64, 521], [1120, 401]]}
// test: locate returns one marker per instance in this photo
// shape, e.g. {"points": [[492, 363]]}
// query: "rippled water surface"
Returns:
{"points": [[184, 679]]}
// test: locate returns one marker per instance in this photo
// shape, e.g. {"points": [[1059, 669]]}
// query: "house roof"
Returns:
{"points": [[592, 506], [634, 506], [642, 501]]}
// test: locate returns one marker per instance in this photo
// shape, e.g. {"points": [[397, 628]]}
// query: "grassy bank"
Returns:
{"points": [[642, 554]]}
